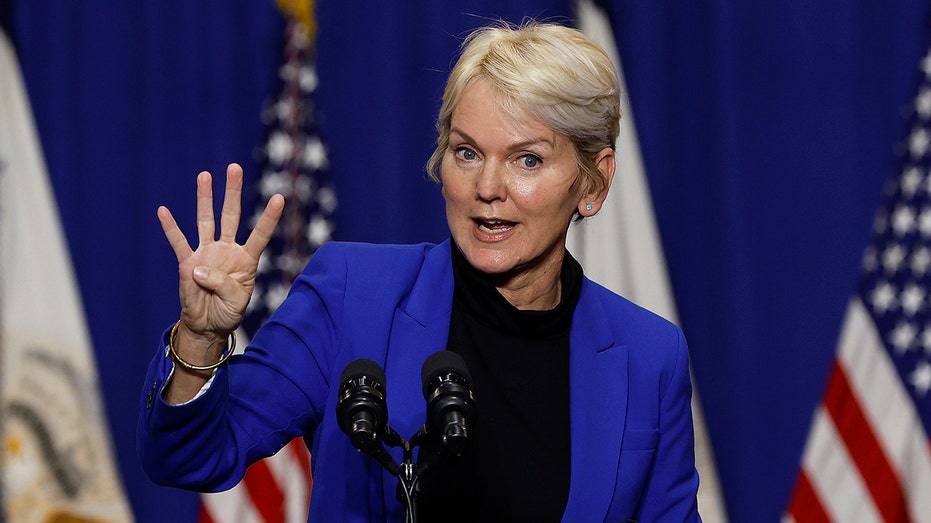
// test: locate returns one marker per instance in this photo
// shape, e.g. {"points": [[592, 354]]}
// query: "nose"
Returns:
{"points": [[491, 182]]}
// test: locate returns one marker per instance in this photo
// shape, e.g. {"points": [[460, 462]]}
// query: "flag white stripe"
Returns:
{"points": [[892, 414], [834, 476], [291, 479], [235, 505], [231, 506]]}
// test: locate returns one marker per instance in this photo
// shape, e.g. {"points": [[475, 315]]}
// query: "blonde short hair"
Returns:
{"points": [[555, 74]]}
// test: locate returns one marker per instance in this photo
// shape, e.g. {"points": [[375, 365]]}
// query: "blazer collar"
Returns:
{"points": [[431, 297]]}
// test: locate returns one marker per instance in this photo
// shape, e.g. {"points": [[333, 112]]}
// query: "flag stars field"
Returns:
{"points": [[918, 142], [883, 298], [903, 220], [925, 338], [280, 148], [919, 261], [923, 103], [913, 299], [924, 222], [911, 182], [902, 337], [921, 379], [893, 257], [926, 65], [274, 182], [319, 231], [315, 156]]}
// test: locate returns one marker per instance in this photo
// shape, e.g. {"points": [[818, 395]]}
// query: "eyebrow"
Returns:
{"points": [[518, 145]]}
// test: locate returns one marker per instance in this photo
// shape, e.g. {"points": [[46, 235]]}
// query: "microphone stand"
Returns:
{"points": [[407, 483], [408, 475], [453, 439]]}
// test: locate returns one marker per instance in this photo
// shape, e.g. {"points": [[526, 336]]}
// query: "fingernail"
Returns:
{"points": [[200, 273]]}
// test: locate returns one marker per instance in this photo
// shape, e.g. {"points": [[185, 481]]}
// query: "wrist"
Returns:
{"points": [[188, 342], [197, 352]]}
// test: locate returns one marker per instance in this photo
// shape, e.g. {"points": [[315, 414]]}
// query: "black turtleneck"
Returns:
{"points": [[516, 467]]}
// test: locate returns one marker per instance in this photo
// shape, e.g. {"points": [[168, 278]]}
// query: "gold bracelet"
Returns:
{"points": [[186, 365]]}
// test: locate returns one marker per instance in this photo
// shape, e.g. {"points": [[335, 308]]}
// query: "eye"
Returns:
{"points": [[530, 161], [465, 153]]}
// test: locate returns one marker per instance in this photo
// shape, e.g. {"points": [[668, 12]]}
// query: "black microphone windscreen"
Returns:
{"points": [[363, 367], [443, 362]]}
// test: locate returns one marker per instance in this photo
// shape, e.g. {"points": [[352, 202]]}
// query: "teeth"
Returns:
{"points": [[494, 226]]}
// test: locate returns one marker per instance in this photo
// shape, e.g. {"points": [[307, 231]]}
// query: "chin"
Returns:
{"points": [[489, 261]]}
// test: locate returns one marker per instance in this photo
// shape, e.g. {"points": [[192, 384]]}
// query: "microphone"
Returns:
{"points": [[450, 405], [362, 412]]}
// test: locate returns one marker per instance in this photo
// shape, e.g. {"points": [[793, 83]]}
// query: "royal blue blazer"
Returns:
{"points": [[632, 445]]}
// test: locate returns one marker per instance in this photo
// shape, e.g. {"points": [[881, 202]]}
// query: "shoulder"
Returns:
{"points": [[627, 319], [655, 345], [368, 257], [360, 253], [368, 266]]}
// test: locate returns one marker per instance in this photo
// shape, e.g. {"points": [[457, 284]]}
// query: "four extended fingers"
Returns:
{"points": [[229, 217]]}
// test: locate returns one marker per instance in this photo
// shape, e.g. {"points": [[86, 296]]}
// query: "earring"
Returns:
{"points": [[588, 206]]}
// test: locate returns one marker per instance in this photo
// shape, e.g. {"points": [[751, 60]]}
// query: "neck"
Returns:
{"points": [[539, 288]]}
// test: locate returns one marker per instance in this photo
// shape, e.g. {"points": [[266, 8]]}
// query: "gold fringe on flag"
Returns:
{"points": [[302, 11]]}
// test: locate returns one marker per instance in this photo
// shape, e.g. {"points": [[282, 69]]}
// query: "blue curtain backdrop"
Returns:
{"points": [[767, 130]]}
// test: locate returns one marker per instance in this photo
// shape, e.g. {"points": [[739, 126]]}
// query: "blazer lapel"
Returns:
{"points": [[597, 408], [420, 328]]}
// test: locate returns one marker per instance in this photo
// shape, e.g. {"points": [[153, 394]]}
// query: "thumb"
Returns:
{"points": [[218, 282]]}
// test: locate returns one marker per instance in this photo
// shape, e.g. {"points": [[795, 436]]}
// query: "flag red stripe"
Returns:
{"points": [[805, 506], [266, 496], [302, 457], [864, 448], [204, 515]]}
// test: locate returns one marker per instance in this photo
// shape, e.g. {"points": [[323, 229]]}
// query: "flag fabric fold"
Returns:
{"points": [[56, 459], [868, 453], [621, 249]]}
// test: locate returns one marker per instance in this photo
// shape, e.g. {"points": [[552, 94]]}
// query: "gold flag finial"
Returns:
{"points": [[302, 11]]}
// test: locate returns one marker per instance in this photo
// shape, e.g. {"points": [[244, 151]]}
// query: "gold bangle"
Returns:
{"points": [[186, 365]]}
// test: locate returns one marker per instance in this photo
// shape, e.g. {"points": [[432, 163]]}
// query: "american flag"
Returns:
{"points": [[868, 454], [294, 161]]}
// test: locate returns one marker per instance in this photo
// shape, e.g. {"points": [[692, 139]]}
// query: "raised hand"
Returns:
{"points": [[217, 278]]}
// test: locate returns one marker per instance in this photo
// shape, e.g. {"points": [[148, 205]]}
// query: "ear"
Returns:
{"points": [[591, 203]]}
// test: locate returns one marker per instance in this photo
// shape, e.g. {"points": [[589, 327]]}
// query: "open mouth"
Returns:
{"points": [[494, 226]]}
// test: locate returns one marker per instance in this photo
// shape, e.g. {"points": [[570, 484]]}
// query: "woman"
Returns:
{"points": [[581, 398]]}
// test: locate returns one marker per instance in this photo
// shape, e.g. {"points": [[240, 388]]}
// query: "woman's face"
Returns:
{"points": [[510, 187]]}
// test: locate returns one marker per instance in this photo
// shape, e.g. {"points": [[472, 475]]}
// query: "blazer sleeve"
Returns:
{"points": [[276, 391], [671, 493]]}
